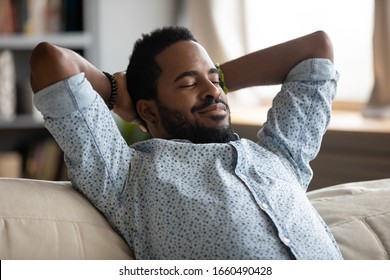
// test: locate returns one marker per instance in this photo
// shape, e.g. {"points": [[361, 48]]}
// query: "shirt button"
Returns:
{"points": [[286, 240], [264, 206]]}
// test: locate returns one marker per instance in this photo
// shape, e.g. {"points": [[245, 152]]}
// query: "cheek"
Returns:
{"points": [[224, 98], [177, 109], [180, 102]]}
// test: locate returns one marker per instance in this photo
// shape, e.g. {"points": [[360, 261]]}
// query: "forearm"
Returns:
{"points": [[50, 64], [271, 65]]}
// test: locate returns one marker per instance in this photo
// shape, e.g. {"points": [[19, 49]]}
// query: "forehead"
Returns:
{"points": [[183, 56]]}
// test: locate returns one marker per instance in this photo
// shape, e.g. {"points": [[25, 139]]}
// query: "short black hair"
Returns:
{"points": [[143, 71]]}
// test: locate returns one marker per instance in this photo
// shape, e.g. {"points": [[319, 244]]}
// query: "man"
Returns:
{"points": [[196, 190]]}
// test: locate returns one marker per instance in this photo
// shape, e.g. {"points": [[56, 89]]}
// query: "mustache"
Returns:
{"points": [[208, 102]]}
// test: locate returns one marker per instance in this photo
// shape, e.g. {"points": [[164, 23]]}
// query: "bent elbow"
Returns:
{"points": [[323, 46], [48, 64], [40, 59], [40, 53]]}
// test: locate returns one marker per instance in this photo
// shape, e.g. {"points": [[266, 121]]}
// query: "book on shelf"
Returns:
{"points": [[45, 161], [16, 96], [6, 17], [32, 17], [7, 85], [10, 164]]}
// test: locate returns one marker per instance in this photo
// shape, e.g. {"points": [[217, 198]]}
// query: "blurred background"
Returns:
{"points": [[357, 144]]}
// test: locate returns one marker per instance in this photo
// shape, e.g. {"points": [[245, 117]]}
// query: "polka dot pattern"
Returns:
{"points": [[178, 200]]}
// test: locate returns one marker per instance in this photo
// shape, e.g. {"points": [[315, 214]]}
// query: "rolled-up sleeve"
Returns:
{"points": [[65, 97], [300, 115]]}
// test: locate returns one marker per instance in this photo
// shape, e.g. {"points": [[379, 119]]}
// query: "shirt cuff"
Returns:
{"points": [[313, 69], [65, 97]]}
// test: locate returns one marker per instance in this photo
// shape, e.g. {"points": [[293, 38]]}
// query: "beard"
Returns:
{"points": [[178, 127]]}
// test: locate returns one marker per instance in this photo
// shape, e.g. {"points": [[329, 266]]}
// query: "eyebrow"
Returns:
{"points": [[194, 73]]}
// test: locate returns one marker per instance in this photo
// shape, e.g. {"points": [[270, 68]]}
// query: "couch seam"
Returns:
{"points": [[342, 196], [363, 219], [79, 242], [360, 218], [379, 241], [49, 220]]}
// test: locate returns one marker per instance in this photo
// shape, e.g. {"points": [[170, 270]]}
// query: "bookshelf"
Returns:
{"points": [[24, 141], [108, 31]]}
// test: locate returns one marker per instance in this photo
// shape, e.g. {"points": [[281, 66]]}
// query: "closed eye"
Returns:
{"points": [[188, 86]]}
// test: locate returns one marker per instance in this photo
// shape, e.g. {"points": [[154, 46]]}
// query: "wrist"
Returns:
{"points": [[114, 91]]}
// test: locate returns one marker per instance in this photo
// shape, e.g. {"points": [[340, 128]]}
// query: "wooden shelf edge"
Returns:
{"points": [[74, 40]]}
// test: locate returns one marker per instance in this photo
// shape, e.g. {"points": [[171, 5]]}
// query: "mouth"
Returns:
{"points": [[213, 108], [211, 105]]}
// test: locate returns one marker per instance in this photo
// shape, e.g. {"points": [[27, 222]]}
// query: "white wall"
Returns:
{"points": [[117, 24]]}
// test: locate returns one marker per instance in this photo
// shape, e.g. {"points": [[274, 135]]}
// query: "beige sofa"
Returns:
{"points": [[50, 220]]}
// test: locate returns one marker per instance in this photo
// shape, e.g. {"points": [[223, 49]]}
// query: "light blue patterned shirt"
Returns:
{"points": [[178, 200]]}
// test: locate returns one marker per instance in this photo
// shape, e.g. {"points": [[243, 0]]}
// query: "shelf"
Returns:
{"points": [[21, 122], [73, 40]]}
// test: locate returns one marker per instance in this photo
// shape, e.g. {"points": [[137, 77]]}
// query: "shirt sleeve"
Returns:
{"points": [[300, 115], [96, 154]]}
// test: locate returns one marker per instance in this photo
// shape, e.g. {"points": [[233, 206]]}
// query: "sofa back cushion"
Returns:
{"points": [[358, 214], [50, 220]]}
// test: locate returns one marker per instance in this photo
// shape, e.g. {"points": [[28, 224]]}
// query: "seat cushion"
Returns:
{"points": [[50, 220], [358, 214]]}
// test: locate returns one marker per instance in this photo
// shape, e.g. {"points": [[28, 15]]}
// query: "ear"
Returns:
{"points": [[147, 109]]}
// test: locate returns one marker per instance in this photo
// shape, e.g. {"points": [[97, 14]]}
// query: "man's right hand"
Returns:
{"points": [[124, 106]]}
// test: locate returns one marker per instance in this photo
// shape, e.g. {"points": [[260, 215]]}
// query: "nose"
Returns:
{"points": [[210, 91]]}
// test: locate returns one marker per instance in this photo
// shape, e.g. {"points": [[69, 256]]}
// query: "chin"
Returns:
{"points": [[216, 121]]}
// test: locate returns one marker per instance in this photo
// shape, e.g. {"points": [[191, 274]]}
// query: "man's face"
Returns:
{"points": [[191, 104]]}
